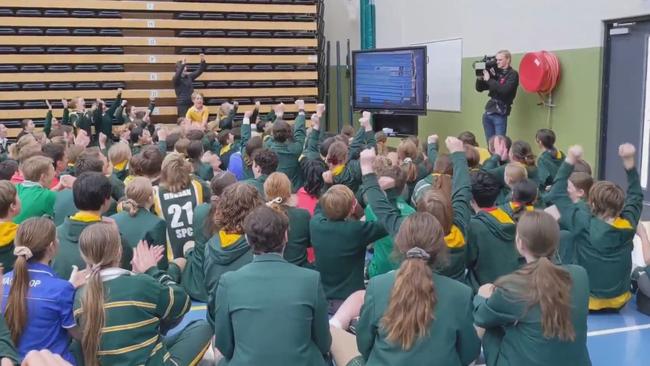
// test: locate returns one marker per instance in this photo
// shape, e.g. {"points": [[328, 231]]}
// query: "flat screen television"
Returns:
{"points": [[393, 80]]}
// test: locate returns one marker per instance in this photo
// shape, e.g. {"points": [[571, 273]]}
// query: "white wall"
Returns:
{"points": [[487, 26], [341, 23]]}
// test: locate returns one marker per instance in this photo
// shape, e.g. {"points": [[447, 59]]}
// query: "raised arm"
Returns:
{"points": [[48, 119], [432, 149], [311, 148], [299, 133], [569, 214], [359, 142], [461, 196], [116, 103], [202, 66], [634, 196], [226, 122], [66, 113], [386, 213], [180, 66]]}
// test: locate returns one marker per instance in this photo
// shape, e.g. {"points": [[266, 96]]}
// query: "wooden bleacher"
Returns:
{"points": [[256, 49]]}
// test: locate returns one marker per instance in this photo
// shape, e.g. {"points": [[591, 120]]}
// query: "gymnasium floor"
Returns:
{"points": [[614, 339]]}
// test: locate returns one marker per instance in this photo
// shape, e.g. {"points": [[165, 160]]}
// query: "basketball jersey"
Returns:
{"points": [[177, 209]]}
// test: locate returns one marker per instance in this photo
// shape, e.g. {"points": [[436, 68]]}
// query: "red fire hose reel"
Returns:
{"points": [[539, 72]]}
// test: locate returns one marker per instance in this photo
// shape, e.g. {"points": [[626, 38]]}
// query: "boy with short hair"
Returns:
{"points": [[265, 162], [9, 208], [92, 196], [491, 251], [603, 234], [340, 244], [37, 198]]}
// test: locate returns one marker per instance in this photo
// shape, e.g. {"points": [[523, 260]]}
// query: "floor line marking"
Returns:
{"points": [[617, 330]]}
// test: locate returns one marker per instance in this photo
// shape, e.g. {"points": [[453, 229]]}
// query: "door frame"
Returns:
{"points": [[608, 25]]}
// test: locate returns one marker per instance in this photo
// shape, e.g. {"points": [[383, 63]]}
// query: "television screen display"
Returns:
{"points": [[390, 79]]}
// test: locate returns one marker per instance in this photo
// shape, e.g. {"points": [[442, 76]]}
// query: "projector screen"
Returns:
{"points": [[391, 79]]}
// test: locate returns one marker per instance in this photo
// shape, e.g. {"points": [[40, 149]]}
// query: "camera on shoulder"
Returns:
{"points": [[488, 63]]}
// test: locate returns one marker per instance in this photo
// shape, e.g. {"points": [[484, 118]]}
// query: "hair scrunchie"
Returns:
{"points": [[276, 201], [417, 253], [22, 251]]}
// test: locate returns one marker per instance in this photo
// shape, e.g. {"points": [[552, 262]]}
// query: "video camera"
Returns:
{"points": [[488, 63]]}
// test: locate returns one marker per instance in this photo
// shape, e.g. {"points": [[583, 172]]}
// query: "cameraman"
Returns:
{"points": [[502, 84]]}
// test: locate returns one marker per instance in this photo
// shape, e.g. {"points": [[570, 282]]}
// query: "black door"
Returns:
{"points": [[626, 98]]}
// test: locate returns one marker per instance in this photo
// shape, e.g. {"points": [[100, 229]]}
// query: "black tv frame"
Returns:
{"points": [[400, 111]]}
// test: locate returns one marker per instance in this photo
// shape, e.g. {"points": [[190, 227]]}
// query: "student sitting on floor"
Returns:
{"points": [[491, 251], [521, 153], [289, 146], [603, 234], [175, 199], [440, 178], [265, 162], [270, 312], [228, 250], [538, 314], [277, 189], [468, 138], [38, 304], [340, 244], [412, 316], [550, 159], [149, 302], [524, 197], [34, 192], [119, 155], [198, 114], [314, 185], [92, 196], [9, 208]]}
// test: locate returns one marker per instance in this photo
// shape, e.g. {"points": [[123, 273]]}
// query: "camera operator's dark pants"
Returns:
{"points": [[494, 124], [182, 107]]}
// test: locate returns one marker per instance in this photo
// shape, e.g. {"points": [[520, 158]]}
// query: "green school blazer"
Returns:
{"points": [[258, 183], [289, 152], [272, 313], [514, 334], [298, 237], [143, 226], [451, 339]]}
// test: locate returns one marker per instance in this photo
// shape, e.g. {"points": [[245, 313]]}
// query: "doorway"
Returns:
{"points": [[626, 101]]}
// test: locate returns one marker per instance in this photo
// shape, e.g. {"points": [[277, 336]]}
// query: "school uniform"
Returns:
{"points": [[4, 148], [460, 202], [64, 206], [143, 226], [49, 304], [104, 121], [423, 171], [298, 239], [383, 260], [312, 151], [121, 170], [204, 171], [193, 277], [223, 253], [349, 174], [491, 250], [483, 154], [197, 116], [271, 294], [340, 249], [425, 181], [7, 348], [80, 121], [514, 334], [497, 168], [69, 254], [258, 183], [176, 208], [289, 152], [450, 340], [8, 232], [137, 306], [603, 249], [548, 164]]}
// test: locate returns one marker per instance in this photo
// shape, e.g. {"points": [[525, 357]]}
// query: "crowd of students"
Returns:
{"points": [[308, 246]]}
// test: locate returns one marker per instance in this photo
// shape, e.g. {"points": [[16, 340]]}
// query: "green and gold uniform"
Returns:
{"points": [[64, 206], [258, 183], [289, 152], [8, 232], [104, 120], [491, 251], [177, 209], [460, 201], [143, 226], [340, 249], [68, 254], [450, 340], [298, 239], [547, 165], [514, 334], [271, 313], [223, 253], [603, 248], [137, 306], [349, 174]]}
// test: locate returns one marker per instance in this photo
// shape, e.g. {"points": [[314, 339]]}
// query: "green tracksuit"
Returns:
{"points": [[547, 165], [514, 333], [350, 175], [603, 248], [450, 339], [64, 206], [271, 313], [143, 226]]}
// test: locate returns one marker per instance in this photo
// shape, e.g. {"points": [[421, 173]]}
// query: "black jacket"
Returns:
{"points": [[502, 90], [183, 83]]}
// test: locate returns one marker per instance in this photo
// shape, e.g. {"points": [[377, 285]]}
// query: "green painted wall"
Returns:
{"points": [[575, 118]]}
